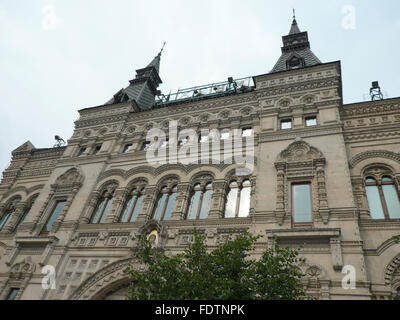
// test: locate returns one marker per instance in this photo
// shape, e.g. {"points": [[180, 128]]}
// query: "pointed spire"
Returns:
{"points": [[294, 28], [296, 51], [156, 61], [143, 88]]}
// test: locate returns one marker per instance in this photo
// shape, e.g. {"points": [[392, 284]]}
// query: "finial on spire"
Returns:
{"points": [[162, 48], [294, 14]]}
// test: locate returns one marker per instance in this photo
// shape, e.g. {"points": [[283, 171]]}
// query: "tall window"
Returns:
{"points": [[133, 205], [26, 212], [301, 203], [12, 294], [5, 219], [383, 198], [200, 202], [238, 200], [103, 207], [57, 209], [165, 203]]}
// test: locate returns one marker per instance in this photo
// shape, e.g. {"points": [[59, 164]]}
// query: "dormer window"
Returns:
{"points": [[295, 63]]}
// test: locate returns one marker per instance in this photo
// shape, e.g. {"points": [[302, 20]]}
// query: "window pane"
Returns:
{"points": [[13, 293], [248, 132], [107, 210], [128, 208], [170, 206], [5, 219], [374, 202], [99, 209], [370, 180], [137, 209], [194, 205], [231, 199], [225, 135], [127, 148], [23, 217], [392, 201], [302, 203], [54, 215], [311, 121], [244, 206], [206, 204], [160, 206], [286, 124]]}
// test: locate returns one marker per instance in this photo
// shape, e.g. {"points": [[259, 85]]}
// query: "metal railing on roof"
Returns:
{"points": [[207, 91]]}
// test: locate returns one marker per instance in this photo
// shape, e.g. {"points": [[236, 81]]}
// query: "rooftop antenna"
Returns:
{"points": [[294, 14], [375, 91]]}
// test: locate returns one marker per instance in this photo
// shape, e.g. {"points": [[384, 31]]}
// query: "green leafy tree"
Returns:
{"points": [[227, 272]]}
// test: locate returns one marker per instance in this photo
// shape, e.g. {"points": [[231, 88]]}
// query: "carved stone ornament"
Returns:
{"points": [[299, 151], [71, 179], [20, 270], [300, 160]]}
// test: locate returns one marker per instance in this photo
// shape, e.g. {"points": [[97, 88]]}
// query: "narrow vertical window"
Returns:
{"points": [[200, 202], [54, 214], [374, 199], [301, 202], [5, 219], [12, 294], [81, 151], [165, 203], [238, 200], [26, 212], [103, 208], [133, 205], [391, 198]]}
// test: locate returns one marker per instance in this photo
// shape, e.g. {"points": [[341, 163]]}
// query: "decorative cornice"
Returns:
{"points": [[374, 154]]}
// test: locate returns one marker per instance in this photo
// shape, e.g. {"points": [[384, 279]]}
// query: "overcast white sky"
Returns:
{"points": [[58, 56]]}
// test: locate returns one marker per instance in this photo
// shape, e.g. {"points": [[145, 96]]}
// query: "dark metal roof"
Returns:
{"points": [[295, 46], [143, 88]]}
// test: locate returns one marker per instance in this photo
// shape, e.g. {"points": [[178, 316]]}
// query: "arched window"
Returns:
{"points": [[26, 211], [383, 198], [200, 202], [133, 205], [103, 207], [165, 203], [238, 200], [6, 217]]}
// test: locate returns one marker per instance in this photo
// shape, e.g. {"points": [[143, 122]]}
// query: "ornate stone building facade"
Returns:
{"points": [[326, 177]]}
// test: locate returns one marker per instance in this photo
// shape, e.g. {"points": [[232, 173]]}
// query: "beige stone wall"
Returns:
{"points": [[89, 259]]}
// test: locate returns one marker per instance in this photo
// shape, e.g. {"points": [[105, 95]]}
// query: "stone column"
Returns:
{"points": [[120, 195], [19, 211], [148, 204], [253, 199], [217, 200], [94, 199], [280, 192], [181, 202], [323, 208]]}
